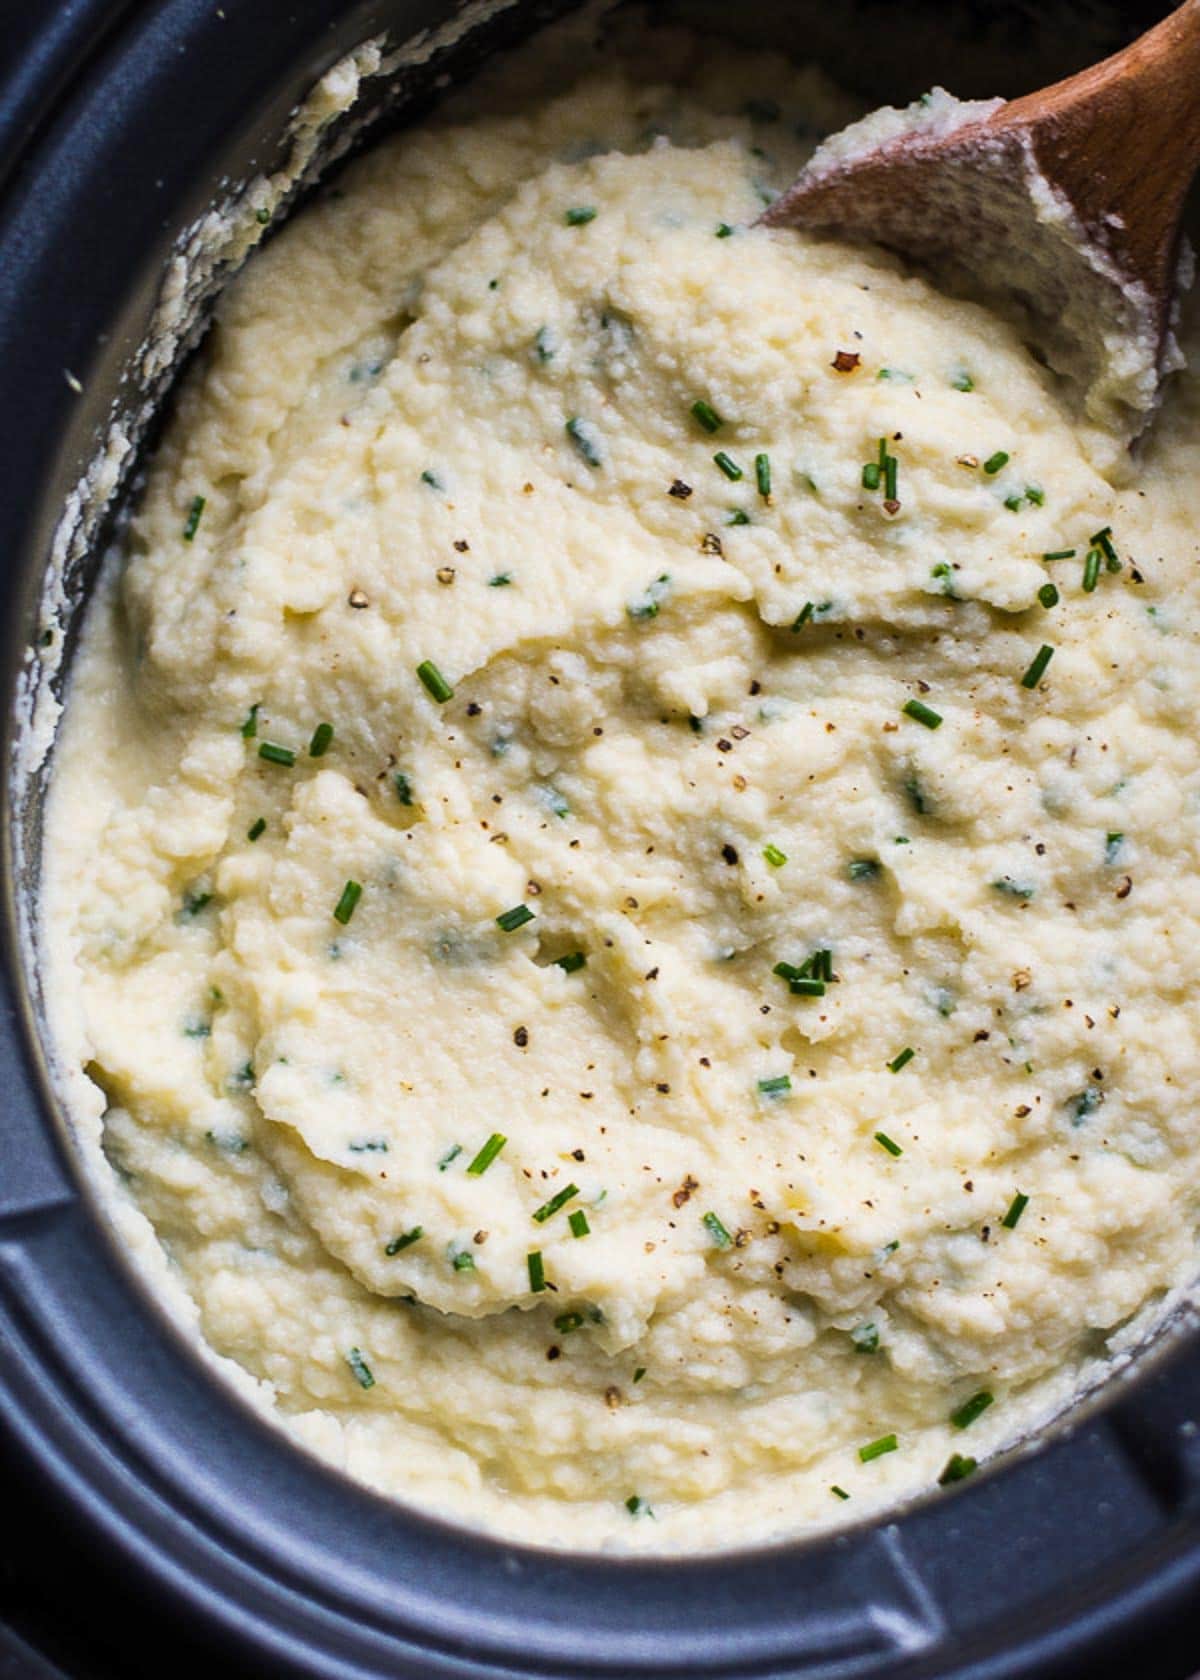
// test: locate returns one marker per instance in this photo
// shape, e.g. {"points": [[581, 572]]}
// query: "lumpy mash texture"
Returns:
{"points": [[722, 1069]]}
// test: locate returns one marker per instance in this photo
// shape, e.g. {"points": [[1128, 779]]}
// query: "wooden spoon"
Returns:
{"points": [[1062, 207]]}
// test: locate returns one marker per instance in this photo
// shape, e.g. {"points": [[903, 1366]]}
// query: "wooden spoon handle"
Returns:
{"points": [[1122, 140]]}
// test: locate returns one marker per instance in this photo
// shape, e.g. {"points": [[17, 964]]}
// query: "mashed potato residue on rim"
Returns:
{"points": [[623, 862]]}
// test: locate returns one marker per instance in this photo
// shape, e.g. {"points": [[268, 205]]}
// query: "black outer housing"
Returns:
{"points": [[147, 1518]]}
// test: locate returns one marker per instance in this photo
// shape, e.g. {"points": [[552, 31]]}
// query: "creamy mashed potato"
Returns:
{"points": [[624, 856]]}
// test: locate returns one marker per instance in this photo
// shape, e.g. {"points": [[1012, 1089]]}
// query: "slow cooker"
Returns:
{"points": [[150, 1522]]}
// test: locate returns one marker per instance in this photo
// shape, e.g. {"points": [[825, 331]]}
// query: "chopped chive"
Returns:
{"points": [[567, 1322], [537, 1271], [737, 516], [1035, 494], [510, 920], [638, 1507], [250, 722], [434, 681], [500, 581], [876, 1449], [970, 1409], [762, 475], [839, 1492], [962, 382], [431, 478], [806, 985], [1113, 841], [1016, 1208], [257, 829], [639, 1373], [1060, 554], [1091, 570], [865, 1338], [957, 1468], [463, 1261], [706, 415], [571, 963], [863, 869], [403, 787], [1048, 595], [277, 755], [405, 1240], [647, 604], [487, 1155], [1103, 541], [885, 1142], [883, 453], [1037, 669], [580, 215], [871, 475], [902, 1060], [194, 902], [322, 736], [361, 1369], [192, 523], [724, 231], [823, 964], [890, 468], [345, 906], [1013, 502], [578, 1221], [774, 856], [803, 616], [452, 1154], [922, 713], [586, 439], [550, 1208], [727, 465], [994, 462], [778, 1085], [715, 1227]]}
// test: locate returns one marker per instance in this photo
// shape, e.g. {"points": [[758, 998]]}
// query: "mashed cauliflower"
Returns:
{"points": [[625, 856]]}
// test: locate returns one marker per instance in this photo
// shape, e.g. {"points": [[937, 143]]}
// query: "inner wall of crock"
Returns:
{"points": [[976, 48]]}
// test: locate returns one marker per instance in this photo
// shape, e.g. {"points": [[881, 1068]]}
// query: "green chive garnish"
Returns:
{"points": [[995, 462], [434, 681], [1016, 1208], [638, 1507], [727, 465], [452, 1154], [345, 906], [463, 1261], [639, 1373], [1048, 595], [550, 1208], [876, 1449], [192, 522], [737, 516], [1113, 841], [322, 736], [1103, 541], [957, 1468], [1035, 494], [724, 231], [902, 1060], [487, 1155], [537, 1271], [1037, 669], [716, 1230], [962, 382], [706, 415], [500, 581], [803, 616], [871, 475], [774, 856], [863, 869], [361, 1369], [250, 724], [885, 1142], [865, 1338], [580, 215], [971, 1409], [578, 1221], [1060, 554], [510, 920], [890, 468], [257, 829], [406, 1240], [778, 1085], [1091, 570], [806, 986], [566, 1322], [571, 963], [762, 475], [277, 755], [922, 713], [839, 1492], [403, 787]]}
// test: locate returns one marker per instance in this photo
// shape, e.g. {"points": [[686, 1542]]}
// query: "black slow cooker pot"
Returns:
{"points": [[149, 1523]]}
